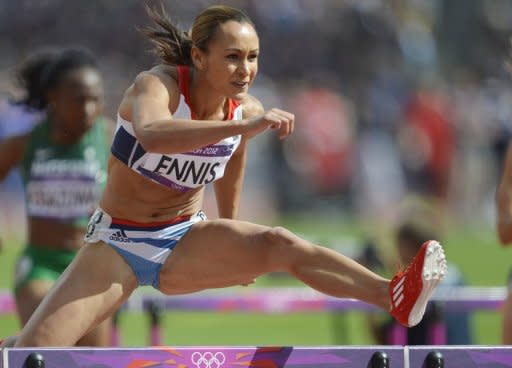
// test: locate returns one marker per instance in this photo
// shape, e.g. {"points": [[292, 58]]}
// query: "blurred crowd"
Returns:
{"points": [[392, 98]]}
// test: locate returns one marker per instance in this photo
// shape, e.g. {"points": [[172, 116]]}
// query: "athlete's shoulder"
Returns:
{"points": [[166, 72], [251, 106], [157, 77]]}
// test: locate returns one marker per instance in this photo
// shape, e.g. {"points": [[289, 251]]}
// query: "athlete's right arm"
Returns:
{"points": [[158, 132], [504, 201], [11, 153]]}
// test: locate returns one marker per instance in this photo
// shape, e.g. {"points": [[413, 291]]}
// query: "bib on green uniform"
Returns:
{"points": [[65, 182]]}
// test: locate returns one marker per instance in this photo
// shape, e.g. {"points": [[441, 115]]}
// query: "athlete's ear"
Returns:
{"points": [[197, 57]]}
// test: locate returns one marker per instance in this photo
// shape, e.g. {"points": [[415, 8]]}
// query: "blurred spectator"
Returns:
{"points": [[427, 142], [320, 151]]}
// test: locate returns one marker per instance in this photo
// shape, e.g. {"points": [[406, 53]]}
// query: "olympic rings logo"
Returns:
{"points": [[208, 359]]}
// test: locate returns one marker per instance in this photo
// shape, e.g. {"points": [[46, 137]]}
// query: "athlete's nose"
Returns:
{"points": [[90, 108], [243, 69]]}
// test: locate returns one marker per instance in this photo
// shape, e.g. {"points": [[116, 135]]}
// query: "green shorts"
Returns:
{"points": [[36, 263]]}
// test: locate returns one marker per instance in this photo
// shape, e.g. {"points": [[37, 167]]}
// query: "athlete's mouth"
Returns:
{"points": [[241, 84]]}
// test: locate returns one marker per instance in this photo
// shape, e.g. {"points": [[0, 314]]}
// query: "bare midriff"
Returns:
{"points": [[130, 196], [53, 234]]}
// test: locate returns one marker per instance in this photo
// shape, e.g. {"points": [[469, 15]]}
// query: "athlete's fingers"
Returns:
{"points": [[292, 124], [287, 127], [280, 119], [285, 130], [287, 122], [285, 114], [274, 120]]}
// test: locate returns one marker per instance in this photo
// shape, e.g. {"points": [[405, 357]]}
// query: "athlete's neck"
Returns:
{"points": [[60, 135], [206, 102]]}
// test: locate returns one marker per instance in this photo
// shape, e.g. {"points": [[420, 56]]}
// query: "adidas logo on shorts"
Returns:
{"points": [[119, 236]]}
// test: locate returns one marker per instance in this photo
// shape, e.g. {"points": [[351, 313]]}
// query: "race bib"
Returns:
{"points": [[62, 199]]}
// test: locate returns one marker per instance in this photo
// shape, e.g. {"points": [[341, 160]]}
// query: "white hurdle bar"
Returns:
{"points": [[286, 300]]}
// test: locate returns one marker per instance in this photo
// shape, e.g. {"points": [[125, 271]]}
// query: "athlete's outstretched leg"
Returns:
{"points": [[222, 253], [95, 284]]}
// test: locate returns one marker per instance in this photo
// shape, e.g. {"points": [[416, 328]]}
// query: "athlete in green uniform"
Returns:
{"points": [[20, 111], [63, 164]]}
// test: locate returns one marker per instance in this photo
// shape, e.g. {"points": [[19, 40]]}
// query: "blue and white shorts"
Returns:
{"points": [[145, 247]]}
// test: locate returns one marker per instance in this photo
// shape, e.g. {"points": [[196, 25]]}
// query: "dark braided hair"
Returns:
{"points": [[29, 77], [68, 60]]}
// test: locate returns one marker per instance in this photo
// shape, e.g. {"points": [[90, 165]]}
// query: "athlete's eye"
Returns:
{"points": [[232, 57]]}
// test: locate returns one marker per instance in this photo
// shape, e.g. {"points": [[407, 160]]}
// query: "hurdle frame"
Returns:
{"points": [[263, 356]]}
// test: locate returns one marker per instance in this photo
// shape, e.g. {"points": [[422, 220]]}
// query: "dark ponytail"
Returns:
{"points": [[172, 45]]}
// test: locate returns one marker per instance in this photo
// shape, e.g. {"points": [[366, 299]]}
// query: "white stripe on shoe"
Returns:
{"points": [[399, 300], [398, 284]]}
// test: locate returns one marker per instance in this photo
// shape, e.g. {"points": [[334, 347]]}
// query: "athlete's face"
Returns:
{"points": [[77, 101], [231, 61]]}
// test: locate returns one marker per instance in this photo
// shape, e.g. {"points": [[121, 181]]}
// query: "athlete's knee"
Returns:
{"points": [[283, 246], [279, 235]]}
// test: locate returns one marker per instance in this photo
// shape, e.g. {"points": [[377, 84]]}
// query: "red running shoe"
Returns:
{"points": [[411, 289]]}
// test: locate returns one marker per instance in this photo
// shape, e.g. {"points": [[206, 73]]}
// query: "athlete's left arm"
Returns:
{"points": [[229, 188]]}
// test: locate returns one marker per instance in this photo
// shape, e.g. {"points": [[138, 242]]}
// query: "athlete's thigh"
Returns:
{"points": [[216, 253]]}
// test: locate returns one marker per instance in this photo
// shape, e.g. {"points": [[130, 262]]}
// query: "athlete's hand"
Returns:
{"points": [[247, 283], [275, 119]]}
